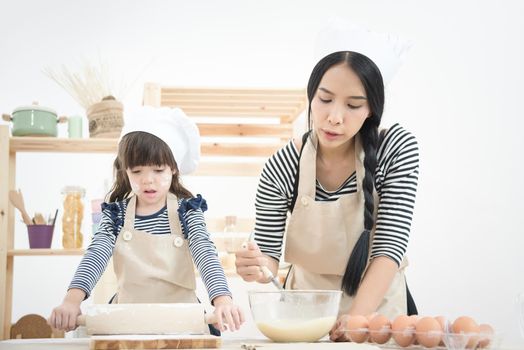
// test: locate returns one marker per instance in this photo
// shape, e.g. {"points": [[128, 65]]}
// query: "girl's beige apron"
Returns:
{"points": [[153, 268], [322, 234]]}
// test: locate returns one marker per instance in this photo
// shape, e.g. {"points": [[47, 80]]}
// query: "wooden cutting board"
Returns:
{"points": [[114, 342]]}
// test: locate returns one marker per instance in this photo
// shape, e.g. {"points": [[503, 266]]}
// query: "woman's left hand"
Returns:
{"points": [[229, 316], [338, 332]]}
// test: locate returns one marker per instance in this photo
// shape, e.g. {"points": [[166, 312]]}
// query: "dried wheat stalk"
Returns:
{"points": [[89, 85]]}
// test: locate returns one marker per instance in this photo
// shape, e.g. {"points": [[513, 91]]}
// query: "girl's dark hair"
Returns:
{"points": [[140, 149], [371, 79]]}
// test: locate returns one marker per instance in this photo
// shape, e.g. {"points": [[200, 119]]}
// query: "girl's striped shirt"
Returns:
{"points": [[191, 216]]}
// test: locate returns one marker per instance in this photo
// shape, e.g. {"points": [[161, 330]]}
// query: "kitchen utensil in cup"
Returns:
{"points": [[39, 219], [54, 219], [17, 200]]}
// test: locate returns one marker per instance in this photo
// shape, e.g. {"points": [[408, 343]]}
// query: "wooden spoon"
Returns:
{"points": [[39, 219], [17, 200]]}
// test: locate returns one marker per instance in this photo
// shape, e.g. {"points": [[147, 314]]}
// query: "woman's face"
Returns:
{"points": [[339, 107]]}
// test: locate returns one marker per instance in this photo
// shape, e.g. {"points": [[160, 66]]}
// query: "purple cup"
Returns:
{"points": [[40, 236]]}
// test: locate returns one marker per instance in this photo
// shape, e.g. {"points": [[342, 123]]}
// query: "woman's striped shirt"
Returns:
{"points": [[396, 179]]}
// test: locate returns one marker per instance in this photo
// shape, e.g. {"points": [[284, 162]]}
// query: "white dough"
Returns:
{"points": [[146, 319]]}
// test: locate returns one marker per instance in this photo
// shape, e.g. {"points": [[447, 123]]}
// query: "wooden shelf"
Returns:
{"points": [[205, 168], [65, 145], [61, 145], [40, 252]]}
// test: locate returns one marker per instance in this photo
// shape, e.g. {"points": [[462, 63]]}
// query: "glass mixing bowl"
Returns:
{"points": [[294, 315]]}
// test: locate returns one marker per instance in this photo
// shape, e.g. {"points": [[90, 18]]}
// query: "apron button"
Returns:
{"points": [[178, 242], [304, 201], [127, 236]]}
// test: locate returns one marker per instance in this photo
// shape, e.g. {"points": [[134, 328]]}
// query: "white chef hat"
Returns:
{"points": [[386, 50], [172, 126]]}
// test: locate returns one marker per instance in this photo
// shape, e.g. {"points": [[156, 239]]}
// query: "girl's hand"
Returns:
{"points": [[248, 262], [229, 315], [64, 316], [337, 333]]}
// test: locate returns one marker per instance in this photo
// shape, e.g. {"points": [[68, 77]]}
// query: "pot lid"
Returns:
{"points": [[36, 107]]}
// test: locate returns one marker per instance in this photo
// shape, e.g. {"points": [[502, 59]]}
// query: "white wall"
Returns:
{"points": [[458, 92]]}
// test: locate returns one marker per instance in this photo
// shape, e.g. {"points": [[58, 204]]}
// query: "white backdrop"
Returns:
{"points": [[458, 92]]}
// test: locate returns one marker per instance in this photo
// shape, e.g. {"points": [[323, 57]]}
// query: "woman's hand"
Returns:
{"points": [[248, 262], [64, 316], [229, 316], [338, 332]]}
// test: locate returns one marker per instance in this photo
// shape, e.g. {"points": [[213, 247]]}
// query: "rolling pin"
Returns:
{"points": [[179, 318]]}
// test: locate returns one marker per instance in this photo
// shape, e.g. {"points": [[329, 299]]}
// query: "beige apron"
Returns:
{"points": [[321, 235], [153, 268]]}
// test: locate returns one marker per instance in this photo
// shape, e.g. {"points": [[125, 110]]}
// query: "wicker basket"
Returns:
{"points": [[105, 118]]}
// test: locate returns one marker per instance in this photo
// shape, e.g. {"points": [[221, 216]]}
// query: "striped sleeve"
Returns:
{"points": [[273, 198], [205, 255], [97, 255], [397, 179]]}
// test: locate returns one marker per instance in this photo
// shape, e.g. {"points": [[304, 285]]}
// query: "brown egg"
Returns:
{"points": [[442, 322], [428, 332], [486, 332], [358, 328], [380, 329], [403, 329], [415, 319], [466, 325], [371, 315]]}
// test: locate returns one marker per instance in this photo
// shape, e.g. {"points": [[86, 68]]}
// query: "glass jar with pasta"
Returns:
{"points": [[72, 218]]}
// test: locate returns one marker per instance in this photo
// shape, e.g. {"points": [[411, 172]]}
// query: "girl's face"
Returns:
{"points": [[339, 107], [150, 183]]}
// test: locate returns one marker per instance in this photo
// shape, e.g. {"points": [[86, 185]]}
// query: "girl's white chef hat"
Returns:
{"points": [[386, 50], [172, 126]]}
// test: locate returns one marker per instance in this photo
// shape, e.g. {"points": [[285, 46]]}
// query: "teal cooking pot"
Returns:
{"points": [[34, 120]]}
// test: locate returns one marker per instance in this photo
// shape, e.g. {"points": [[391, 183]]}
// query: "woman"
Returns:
{"points": [[350, 188]]}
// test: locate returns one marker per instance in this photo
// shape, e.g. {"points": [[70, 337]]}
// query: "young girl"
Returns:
{"points": [[153, 226]]}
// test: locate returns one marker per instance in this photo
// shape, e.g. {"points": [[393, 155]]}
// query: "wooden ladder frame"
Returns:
{"points": [[260, 122]]}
